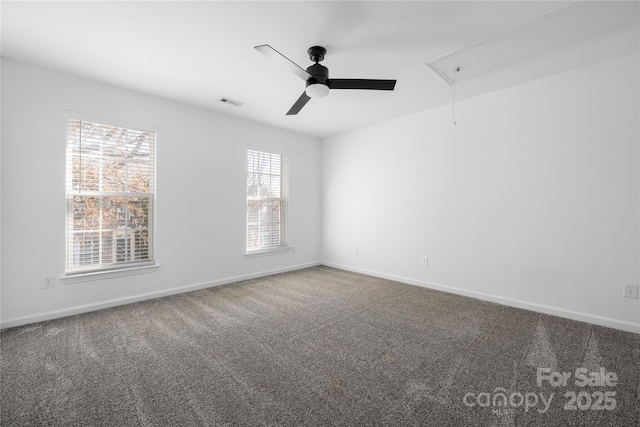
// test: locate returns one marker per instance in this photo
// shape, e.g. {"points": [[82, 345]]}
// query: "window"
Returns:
{"points": [[110, 196], [267, 201]]}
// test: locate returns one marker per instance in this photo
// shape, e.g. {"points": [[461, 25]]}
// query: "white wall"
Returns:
{"points": [[532, 199], [201, 164]]}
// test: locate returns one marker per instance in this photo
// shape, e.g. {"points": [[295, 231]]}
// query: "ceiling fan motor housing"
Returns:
{"points": [[317, 83], [319, 74]]}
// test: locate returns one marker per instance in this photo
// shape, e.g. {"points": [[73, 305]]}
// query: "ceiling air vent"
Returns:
{"points": [[559, 28], [231, 101]]}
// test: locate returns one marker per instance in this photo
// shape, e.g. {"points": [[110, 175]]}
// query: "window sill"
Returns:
{"points": [[108, 274], [271, 251]]}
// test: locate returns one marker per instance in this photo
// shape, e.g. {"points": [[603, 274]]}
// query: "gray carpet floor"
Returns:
{"points": [[319, 346]]}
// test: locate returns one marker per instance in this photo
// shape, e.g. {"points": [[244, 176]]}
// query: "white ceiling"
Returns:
{"points": [[198, 52]]}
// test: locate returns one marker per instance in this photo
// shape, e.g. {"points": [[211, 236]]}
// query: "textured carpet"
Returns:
{"points": [[318, 346]]}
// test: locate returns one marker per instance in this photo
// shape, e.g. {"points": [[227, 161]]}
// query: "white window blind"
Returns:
{"points": [[110, 196], [267, 201]]}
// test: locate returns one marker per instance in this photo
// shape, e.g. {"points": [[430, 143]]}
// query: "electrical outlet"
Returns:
{"points": [[630, 290], [49, 282], [424, 261]]}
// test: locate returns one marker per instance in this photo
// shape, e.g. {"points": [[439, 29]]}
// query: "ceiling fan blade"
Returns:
{"points": [[285, 62], [301, 102], [361, 84]]}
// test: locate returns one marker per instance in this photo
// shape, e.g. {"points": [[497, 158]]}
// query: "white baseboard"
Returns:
{"points": [[555, 311], [568, 314], [50, 315]]}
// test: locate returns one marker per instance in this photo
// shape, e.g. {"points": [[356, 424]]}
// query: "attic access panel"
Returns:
{"points": [[561, 27]]}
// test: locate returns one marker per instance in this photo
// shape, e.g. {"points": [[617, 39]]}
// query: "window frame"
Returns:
{"points": [[283, 200], [114, 267]]}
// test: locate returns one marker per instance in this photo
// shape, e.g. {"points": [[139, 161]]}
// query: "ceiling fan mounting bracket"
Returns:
{"points": [[317, 53]]}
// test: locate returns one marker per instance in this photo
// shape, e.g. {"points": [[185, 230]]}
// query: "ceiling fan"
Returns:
{"points": [[317, 77]]}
